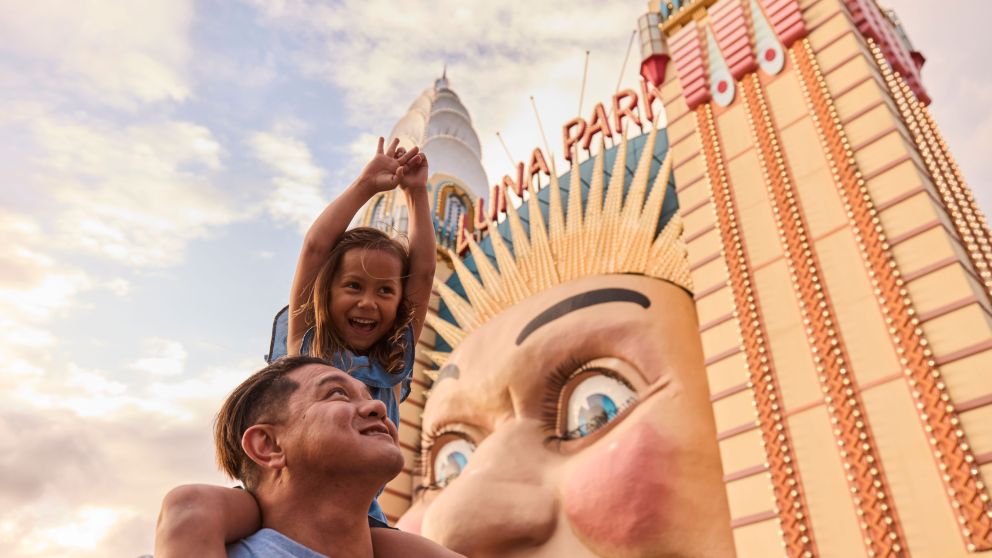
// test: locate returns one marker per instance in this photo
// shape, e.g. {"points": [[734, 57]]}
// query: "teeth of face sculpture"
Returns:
{"points": [[572, 417]]}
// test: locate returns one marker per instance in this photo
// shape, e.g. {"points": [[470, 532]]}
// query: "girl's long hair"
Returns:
{"points": [[390, 350]]}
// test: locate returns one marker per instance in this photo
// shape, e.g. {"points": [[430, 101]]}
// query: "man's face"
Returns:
{"points": [[577, 423], [333, 425]]}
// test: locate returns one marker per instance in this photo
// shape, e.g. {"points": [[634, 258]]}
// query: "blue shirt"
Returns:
{"points": [[269, 543], [368, 371]]}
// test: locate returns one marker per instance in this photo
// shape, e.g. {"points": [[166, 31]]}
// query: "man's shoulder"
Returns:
{"points": [[269, 542]]}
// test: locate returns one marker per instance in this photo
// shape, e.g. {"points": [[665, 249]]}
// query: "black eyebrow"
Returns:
{"points": [[341, 382], [573, 303]]}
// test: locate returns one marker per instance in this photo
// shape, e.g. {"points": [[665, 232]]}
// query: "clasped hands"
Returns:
{"points": [[395, 166]]}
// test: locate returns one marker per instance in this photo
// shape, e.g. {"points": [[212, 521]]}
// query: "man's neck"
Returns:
{"points": [[331, 520]]}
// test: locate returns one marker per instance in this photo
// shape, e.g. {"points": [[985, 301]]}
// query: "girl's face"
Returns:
{"points": [[365, 292]]}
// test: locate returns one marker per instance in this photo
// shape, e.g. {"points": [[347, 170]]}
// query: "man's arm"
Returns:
{"points": [[393, 543], [199, 520]]}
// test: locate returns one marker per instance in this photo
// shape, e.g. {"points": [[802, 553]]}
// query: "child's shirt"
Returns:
{"points": [[370, 372]]}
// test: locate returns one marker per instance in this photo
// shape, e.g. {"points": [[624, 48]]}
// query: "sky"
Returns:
{"points": [[162, 159]]}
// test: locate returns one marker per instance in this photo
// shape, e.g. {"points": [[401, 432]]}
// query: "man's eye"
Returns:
{"points": [[593, 403], [337, 391], [450, 459]]}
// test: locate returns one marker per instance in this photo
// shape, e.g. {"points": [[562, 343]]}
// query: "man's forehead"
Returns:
{"points": [[315, 373]]}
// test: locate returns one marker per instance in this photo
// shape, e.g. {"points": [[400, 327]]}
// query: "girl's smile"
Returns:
{"points": [[365, 293]]}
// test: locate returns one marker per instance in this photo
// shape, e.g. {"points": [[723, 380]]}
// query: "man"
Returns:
{"points": [[313, 447]]}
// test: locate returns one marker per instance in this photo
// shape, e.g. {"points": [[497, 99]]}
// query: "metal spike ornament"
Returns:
{"points": [[614, 233]]}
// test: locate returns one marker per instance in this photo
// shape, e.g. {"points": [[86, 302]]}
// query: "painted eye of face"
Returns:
{"points": [[451, 459], [595, 400]]}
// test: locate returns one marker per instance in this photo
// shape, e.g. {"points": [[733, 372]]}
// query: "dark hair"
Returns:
{"points": [[390, 350], [260, 398]]}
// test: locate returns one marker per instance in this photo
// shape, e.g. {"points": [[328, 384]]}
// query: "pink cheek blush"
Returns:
{"points": [[619, 498]]}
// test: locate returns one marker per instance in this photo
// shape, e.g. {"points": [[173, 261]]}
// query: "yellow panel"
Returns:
{"points": [[409, 435], [901, 178], [786, 336], [881, 152], [742, 451], [869, 124], [748, 184], [704, 246], [678, 128], [835, 525], [750, 495], [785, 98], [392, 504], [755, 220], [857, 99], [759, 540], [727, 373], [734, 411], [910, 214], [709, 275], [817, 192], [920, 251], [734, 131], [721, 338], [837, 52], [848, 74], [859, 318], [958, 330], [677, 106], [937, 289], [978, 427], [830, 23], [714, 305], [693, 195], [918, 493], [690, 170], [968, 378], [698, 221]]}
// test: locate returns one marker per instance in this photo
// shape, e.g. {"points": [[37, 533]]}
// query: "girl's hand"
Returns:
{"points": [[387, 169], [415, 172]]}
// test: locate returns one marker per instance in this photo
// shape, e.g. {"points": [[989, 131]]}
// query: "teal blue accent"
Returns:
{"points": [[634, 149]]}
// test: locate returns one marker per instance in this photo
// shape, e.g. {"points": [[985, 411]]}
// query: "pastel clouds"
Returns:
{"points": [[116, 53], [295, 196]]}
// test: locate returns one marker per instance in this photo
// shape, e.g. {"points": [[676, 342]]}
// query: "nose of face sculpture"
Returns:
{"points": [[499, 502]]}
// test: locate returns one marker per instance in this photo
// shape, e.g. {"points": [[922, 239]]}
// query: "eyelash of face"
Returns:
{"points": [[553, 405], [424, 454]]}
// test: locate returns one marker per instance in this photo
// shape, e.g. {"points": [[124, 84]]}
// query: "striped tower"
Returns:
{"points": [[842, 274]]}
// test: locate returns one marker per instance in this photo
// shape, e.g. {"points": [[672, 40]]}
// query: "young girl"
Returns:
{"points": [[359, 300]]}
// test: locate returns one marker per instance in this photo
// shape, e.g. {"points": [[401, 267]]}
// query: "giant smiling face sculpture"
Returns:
{"points": [[577, 424]]}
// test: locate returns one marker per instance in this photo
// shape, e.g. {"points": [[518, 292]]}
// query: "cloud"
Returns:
{"points": [[166, 358], [136, 194], [497, 55], [295, 197], [97, 452], [121, 54]]}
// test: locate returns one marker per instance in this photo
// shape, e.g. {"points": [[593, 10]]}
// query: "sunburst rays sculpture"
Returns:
{"points": [[610, 235]]}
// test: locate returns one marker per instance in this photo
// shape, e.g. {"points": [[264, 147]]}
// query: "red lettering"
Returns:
{"points": [[568, 140], [461, 244], [480, 215], [537, 165], [650, 93], [599, 123], [497, 202], [516, 185], [619, 113]]}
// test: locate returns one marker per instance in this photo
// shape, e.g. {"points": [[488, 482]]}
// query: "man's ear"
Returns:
{"points": [[262, 447]]}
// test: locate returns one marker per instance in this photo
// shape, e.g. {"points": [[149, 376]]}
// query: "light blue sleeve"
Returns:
{"points": [[269, 543], [375, 374]]}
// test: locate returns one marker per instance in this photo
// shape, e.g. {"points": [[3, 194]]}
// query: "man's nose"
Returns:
{"points": [[372, 408], [503, 478]]}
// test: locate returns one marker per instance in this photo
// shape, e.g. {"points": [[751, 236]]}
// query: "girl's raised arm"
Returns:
{"points": [[422, 244], [380, 174]]}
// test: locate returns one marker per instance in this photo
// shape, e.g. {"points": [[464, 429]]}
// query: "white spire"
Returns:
{"points": [[438, 122]]}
